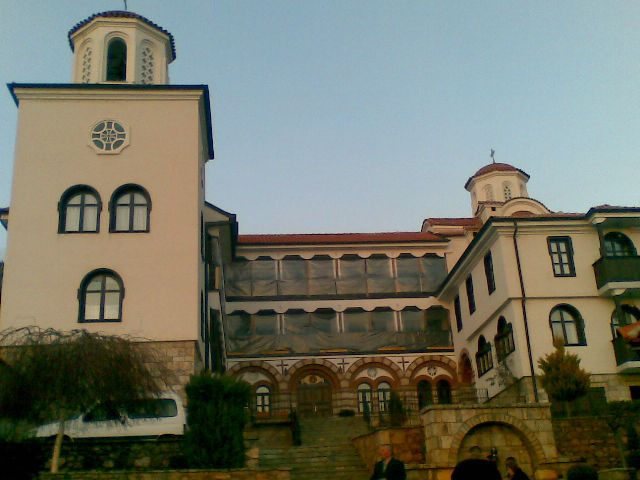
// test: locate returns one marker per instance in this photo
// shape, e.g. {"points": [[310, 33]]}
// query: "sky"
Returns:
{"points": [[363, 116]]}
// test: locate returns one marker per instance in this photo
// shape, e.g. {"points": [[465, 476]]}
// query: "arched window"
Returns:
{"points": [[617, 244], [79, 210], [384, 395], [506, 189], [630, 314], [504, 339], [364, 398], [425, 394], [444, 392], [130, 209], [488, 193], [117, 61], [567, 325], [484, 359], [263, 400], [101, 294]]}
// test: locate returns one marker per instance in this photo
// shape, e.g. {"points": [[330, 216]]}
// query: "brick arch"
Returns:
{"points": [[308, 365], [367, 362], [257, 366], [445, 362], [528, 437]]}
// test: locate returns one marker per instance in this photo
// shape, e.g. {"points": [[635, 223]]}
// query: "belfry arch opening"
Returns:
{"points": [[117, 61]]}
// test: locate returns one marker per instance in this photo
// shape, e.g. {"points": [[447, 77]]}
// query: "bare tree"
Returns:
{"points": [[50, 375]]}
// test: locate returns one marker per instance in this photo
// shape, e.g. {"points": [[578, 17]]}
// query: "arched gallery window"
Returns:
{"points": [[79, 210], [263, 400], [101, 294], [444, 391], [364, 398], [130, 209], [630, 314], [567, 325], [617, 244], [384, 396], [484, 359], [425, 394], [504, 339]]}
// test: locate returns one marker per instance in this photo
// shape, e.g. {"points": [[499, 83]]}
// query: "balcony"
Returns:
{"points": [[618, 273], [627, 356]]}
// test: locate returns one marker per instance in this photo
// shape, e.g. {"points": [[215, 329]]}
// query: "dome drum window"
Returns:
{"points": [[109, 137]]}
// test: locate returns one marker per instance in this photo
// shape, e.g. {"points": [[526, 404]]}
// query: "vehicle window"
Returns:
{"points": [[152, 408], [101, 413]]}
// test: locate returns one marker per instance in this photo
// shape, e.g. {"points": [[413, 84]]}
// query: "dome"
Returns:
{"points": [[495, 167]]}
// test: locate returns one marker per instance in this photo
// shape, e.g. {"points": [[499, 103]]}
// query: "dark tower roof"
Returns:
{"points": [[122, 14], [495, 167]]}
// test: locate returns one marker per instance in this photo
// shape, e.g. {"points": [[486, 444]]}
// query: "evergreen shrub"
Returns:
{"points": [[216, 420]]}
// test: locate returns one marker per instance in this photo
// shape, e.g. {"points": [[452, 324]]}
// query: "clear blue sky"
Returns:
{"points": [[344, 115]]}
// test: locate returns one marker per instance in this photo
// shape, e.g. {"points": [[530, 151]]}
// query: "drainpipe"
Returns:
{"points": [[524, 311]]}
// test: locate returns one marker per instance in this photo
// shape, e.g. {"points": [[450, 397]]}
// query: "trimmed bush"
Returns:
{"points": [[582, 472], [216, 419]]}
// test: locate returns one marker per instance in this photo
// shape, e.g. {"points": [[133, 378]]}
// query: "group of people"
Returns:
{"points": [[390, 468]]}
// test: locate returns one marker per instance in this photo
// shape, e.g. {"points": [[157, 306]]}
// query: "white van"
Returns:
{"points": [[153, 417]]}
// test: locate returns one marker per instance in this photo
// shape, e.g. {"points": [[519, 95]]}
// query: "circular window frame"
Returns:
{"points": [[109, 137]]}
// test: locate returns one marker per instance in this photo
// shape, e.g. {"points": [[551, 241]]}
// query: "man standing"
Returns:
{"points": [[514, 472], [388, 468]]}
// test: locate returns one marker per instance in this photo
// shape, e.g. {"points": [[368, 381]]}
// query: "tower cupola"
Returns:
{"points": [[496, 183], [121, 47]]}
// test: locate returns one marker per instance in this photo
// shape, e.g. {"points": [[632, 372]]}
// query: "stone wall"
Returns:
{"points": [[588, 440], [240, 474], [183, 360], [407, 444], [455, 432]]}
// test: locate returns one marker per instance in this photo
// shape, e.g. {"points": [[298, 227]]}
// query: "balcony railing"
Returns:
{"points": [[625, 353], [617, 269]]}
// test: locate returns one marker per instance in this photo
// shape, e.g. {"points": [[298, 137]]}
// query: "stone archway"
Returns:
{"points": [[501, 438]]}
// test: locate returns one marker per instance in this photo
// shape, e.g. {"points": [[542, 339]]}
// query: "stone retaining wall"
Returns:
{"points": [[587, 439], [240, 474], [407, 444]]}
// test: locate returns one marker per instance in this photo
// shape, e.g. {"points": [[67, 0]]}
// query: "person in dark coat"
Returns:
{"points": [[388, 468], [476, 469], [514, 472]]}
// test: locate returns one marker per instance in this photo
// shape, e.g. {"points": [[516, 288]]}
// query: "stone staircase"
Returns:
{"points": [[326, 453]]}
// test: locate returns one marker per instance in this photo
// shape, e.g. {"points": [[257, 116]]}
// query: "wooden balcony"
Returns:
{"points": [[627, 356], [616, 274]]}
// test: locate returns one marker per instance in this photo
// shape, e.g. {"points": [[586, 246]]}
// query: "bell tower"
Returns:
{"points": [[121, 47]]}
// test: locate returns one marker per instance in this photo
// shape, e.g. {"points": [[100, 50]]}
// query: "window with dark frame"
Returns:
{"points": [[567, 325], [484, 359], [561, 252], [470, 297], [263, 400], [79, 211], [617, 244], [101, 293], [504, 339], [488, 271], [130, 210], [458, 312]]}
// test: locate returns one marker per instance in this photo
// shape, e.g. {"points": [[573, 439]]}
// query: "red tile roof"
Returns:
{"points": [[495, 167], [121, 14], [337, 238], [453, 221]]}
